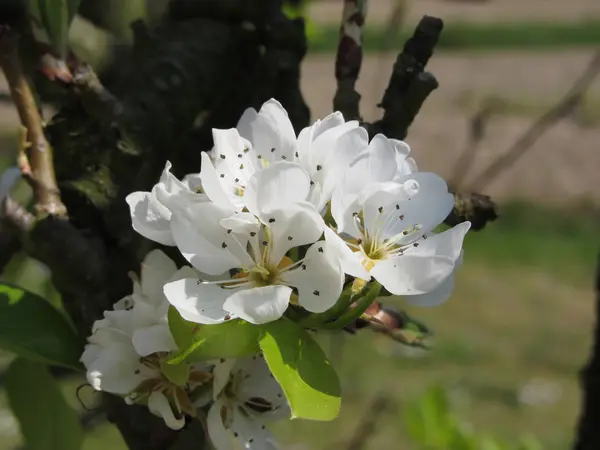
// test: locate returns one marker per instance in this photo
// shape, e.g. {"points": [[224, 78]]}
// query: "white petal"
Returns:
{"points": [[211, 183], [220, 437], [90, 354], [153, 339], [276, 187], [296, 225], [157, 269], [251, 432], [254, 379], [350, 261], [422, 269], [172, 193], [204, 242], [435, 297], [238, 155], [221, 373], [429, 206], [242, 223], [116, 370], [198, 303], [159, 406], [259, 305], [309, 134], [270, 131], [319, 279], [8, 179], [149, 218], [407, 275]]}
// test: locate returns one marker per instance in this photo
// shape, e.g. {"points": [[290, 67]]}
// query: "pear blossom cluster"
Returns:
{"points": [[274, 226]]}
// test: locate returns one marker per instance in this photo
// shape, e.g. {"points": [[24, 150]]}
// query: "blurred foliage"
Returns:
{"points": [[431, 423], [472, 36]]}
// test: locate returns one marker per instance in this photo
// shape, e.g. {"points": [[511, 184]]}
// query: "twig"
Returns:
{"points": [[42, 179], [349, 59], [588, 434], [563, 108], [477, 126], [366, 428], [409, 85]]}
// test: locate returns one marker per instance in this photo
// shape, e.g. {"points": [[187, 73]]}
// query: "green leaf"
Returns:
{"points": [[203, 342], [56, 16], [428, 419], [46, 421], [306, 376], [177, 374], [33, 329]]}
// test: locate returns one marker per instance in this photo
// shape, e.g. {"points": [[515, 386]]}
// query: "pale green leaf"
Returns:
{"points": [[33, 329], [56, 20], [203, 342], [306, 376], [46, 421]]}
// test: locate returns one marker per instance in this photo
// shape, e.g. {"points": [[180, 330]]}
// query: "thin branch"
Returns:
{"points": [[349, 58], [380, 404], [409, 85], [42, 179], [14, 218], [477, 126], [588, 434], [562, 109]]}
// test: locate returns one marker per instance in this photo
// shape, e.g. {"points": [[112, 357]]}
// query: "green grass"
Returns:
{"points": [[472, 36], [522, 309]]}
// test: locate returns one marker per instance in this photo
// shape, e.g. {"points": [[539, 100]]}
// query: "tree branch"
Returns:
{"points": [[42, 179], [349, 59], [564, 107], [588, 434], [409, 85]]}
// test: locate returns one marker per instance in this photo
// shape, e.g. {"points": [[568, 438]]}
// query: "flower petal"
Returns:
{"points": [[270, 131], [220, 437], [149, 218], [435, 297], [319, 279], [116, 370], [156, 338], [172, 193], [351, 262], [157, 269], [276, 187], [296, 225], [221, 375], [159, 406], [198, 302], [204, 242], [251, 432], [422, 269], [214, 189], [259, 305]]}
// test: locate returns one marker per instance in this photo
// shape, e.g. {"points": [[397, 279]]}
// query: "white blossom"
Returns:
{"points": [[255, 245], [246, 398], [262, 138], [386, 213], [151, 211], [125, 352]]}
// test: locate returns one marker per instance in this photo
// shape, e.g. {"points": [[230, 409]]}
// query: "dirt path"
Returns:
{"points": [[329, 11], [562, 167]]}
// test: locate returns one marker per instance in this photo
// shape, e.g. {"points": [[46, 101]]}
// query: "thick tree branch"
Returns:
{"points": [[42, 179], [476, 208], [349, 59], [409, 85], [588, 435]]}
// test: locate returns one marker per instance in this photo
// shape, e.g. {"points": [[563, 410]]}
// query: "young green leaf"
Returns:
{"points": [[306, 376], [203, 342], [47, 422], [33, 329]]}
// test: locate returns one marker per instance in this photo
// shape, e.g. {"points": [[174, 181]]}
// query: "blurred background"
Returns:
{"points": [[502, 370]]}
